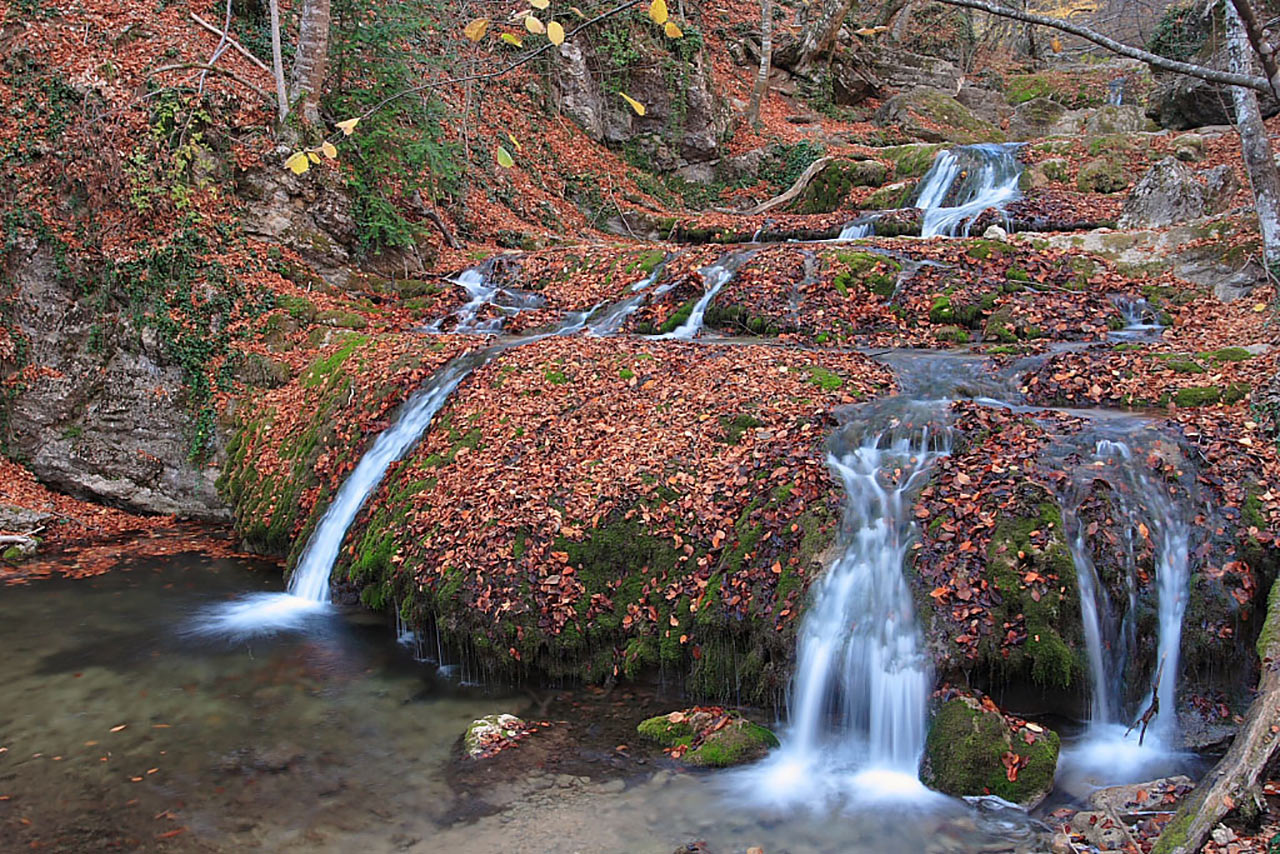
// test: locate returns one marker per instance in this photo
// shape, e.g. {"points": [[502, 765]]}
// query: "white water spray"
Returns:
{"points": [[963, 183], [714, 278]]}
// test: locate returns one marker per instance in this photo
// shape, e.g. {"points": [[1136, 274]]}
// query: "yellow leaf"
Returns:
{"points": [[672, 30], [298, 163], [315, 158], [505, 160], [635, 105], [475, 30], [658, 11], [329, 151], [869, 31], [1260, 307], [534, 26], [539, 4], [348, 126], [1056, 45], [513, 39], [575, 10], [555, 32], [515, 142]]}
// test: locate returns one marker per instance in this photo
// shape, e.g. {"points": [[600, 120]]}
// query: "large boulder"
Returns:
{"points": [[1112, 119], [935, 116], [904, 70], [1167, 194], [830, 188], [973, 750], [1102, 175], [1041, 117], [1170, 192], [685, 117]]}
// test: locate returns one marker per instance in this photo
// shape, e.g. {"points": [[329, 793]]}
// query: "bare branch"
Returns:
{"points": [[239, 48], [1212, 75], [1258, 41], [200, 66]]}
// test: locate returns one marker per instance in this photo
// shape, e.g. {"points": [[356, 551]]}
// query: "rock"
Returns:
{"points": [[1041, 117], [696, 737], [1169, 193], [968, 747], [1220, 188], [1056, 169], [1061, 844], [20, 519], [1102, 175], [900, 69], [934, 116], [830, 188], [1139, 797], [683, 123], [1189, 148], [1117, 119], [986, 104], [995, 232], [891, 196], [1103, 830], [1222, 834], [484, 734]]}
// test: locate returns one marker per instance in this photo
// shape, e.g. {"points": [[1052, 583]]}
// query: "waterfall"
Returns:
{"points": [[965, 181], [482, 291], [714, 278], [1143, 503], [859, 699], [865, 227], [308, 590], [609, 322], [1140, 318]]}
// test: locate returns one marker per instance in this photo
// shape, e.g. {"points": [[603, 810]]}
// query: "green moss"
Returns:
{"points": [[953, 334], [1102, 175], [823, 378], [627, 374], [892, 197], [555, 377], [964, 754], [13, 554], [741, 741], [325, 368], [648, 262], [1228, 354], [341, 319], [877, 273], [299, 308], [981, 249], [1197, 396], [672, 323], [911, 161], [739, 425]]}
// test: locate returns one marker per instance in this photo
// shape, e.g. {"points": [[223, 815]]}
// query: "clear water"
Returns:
{"points": [[336, 740], [1140, 319], [714, 278]]}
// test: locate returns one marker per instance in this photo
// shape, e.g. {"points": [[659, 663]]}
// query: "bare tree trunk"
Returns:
{"points": [[312, 60], [819, 35], [1235, 778], [903, 21], [766, 60], [277, 62], [1255, 143]]}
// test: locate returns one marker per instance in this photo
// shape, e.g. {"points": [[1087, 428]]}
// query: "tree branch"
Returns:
{"points": [[1212, 75], [1258, 41], [239, 48], [200, 66]]}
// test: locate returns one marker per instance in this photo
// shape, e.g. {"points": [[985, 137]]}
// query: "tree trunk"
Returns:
{"points": [[903, 22], [819, 36], [1255, 143], [1235, 778], [766, 59], [277, 63], [312, 59]]}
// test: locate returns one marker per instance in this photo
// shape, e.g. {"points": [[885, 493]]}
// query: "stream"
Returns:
{"points": [[199, 699]]}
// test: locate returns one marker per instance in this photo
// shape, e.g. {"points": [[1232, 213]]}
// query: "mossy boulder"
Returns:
{"points": [[973, 750], [891, 196], [709, 737], [830, 188], [486, 735], [934, 116], [1102, 175], [1113, 119], [1056, 169], [1041, 117]]}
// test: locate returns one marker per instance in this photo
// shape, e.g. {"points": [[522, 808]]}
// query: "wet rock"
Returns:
{"points": [[935, 116], [973, 750], [1139, 797], [995, 232], [1168, 193], [14, 518], [485, 735], [1061, 844], [709, 737], [1103, 830]]}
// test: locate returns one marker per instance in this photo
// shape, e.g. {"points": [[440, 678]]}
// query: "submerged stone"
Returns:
{"points": [[486, 735], [973, 750], [709, 737]]}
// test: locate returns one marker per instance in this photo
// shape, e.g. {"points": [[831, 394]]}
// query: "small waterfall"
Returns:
{"points": [[714, 278], [963, 183], [859, 700], [1140, 318], [856, 230], [609, 322], [482, 292], [1145, 506]]}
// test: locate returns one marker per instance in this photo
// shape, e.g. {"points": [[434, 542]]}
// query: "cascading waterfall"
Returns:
{"points": [[963, 182], [308, 590], [1141, 320], [481, 292], [1141, 503], [859, 699], [714, 278]]}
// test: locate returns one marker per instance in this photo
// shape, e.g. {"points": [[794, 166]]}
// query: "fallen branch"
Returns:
{"points": [[1152, 710], [794, 191], [1235, 778], [239, 48], [200, 66]]}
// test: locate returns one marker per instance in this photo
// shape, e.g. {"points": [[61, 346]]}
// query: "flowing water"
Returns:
{"points": [[1141, 320], [714, 278], [120, 732], [963, 183]]}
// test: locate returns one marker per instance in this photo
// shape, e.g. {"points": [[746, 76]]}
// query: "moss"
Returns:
{"points": [[953, 334], [741, 741], [13, 554], [912, 161], [341, 319], [829, 189], [877, 273], [823, 378], [1102, 175], [891, 197], [964, 754], [672, 323], [739, 425], [1236, 392], [1197, 396], [626, 374], [299, 308], [981, 249], [323, 369], [647, 262], [1228, 354]]}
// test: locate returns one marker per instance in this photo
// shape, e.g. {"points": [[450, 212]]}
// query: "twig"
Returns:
{"points": [[187, 66], [231, 41]]}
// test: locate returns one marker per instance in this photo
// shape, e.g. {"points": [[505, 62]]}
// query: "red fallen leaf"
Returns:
{"points": [[169, 834]]}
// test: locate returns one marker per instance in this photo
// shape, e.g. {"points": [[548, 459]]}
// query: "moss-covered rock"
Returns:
{"points": [[830, 188], [709, 737], [912, 161], [973, 750], [891, 196], [1102, 175], [934, 116], [485, 734]]}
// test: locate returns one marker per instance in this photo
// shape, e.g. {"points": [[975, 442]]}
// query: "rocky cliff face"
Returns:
{"points": [[99, 412]]}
